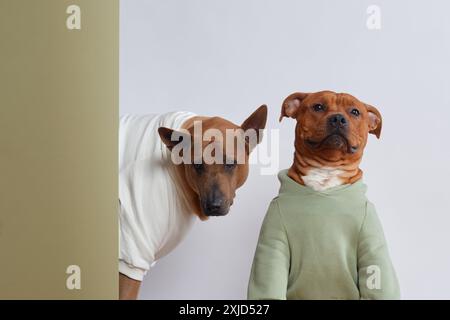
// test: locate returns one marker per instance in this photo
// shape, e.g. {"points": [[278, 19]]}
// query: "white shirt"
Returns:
{"points": [[154, 215]]}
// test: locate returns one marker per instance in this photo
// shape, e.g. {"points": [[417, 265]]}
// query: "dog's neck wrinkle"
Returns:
{"points": [[312, 172]]}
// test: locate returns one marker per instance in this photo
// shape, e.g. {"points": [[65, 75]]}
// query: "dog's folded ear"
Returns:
{"points": [[375, 120], [172, 137], [291, 105], [256, 121]]}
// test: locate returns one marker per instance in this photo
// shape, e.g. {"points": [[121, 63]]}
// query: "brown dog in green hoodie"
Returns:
{"points": [[321, 237]]}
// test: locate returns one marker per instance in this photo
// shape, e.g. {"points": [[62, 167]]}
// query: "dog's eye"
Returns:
{"points": [[318, 107], [230, 166], [198, 167], [355, 112]]}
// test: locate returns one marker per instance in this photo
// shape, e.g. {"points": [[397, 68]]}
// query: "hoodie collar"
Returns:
{"points": [[289, 186]]}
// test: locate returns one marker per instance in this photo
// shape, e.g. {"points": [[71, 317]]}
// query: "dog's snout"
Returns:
{"points": [[214, 204], [337, 121], [215, 208]]}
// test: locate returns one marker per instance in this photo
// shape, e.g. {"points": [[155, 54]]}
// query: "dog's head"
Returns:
{"points": [[331, 126], [218, 157]]}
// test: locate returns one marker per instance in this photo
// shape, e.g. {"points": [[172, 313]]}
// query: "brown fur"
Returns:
{"points": [[311, 131], [197, 186], [128, 288]]}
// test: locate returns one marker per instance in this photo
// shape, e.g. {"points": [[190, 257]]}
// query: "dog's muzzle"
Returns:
{"points": [[215, 204]]}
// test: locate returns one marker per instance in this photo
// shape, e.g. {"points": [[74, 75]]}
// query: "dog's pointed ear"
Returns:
{"points": [[172, 137], [256, 121], [375, 120], [291, 105]]}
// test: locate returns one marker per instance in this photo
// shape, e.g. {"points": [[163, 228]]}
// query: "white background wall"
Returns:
{"points": [[228, 57]]}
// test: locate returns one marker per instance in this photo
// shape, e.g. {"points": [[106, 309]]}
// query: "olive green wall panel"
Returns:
{"points": [[58, 149]]}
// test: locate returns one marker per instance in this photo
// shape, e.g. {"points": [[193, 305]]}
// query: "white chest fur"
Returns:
{"points": [[321, 179]]}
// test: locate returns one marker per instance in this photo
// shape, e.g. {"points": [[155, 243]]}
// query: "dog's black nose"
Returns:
{"points": [[337, 121], [214, 205]]}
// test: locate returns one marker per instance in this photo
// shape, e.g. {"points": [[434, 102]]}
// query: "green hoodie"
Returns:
{"points": [[322, 245]]}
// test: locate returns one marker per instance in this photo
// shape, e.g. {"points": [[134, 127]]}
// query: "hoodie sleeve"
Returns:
{"points": [[270, 269], [376, 275]]}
